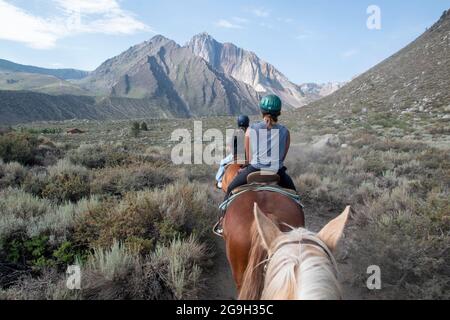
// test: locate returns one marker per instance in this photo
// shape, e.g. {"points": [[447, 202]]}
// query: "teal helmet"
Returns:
{"points": [[271, 104]]}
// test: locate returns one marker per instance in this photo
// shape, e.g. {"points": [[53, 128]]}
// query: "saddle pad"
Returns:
{"points": [[239, 191], [267, 187]]}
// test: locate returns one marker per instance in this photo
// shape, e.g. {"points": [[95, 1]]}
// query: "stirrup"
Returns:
{"points": [[218, 228]]}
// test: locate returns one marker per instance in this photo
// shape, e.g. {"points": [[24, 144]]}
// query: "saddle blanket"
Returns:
{"points": [[241, 190]]}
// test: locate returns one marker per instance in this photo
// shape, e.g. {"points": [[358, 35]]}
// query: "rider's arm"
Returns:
{"points": [[248, 156]]}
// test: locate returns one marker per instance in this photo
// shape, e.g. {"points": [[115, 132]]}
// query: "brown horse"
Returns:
{"points": [[239, 230], [231, 171]]}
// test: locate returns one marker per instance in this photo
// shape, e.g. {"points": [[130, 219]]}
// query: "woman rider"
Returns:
{"points": [[262, 141], [235, 147]]}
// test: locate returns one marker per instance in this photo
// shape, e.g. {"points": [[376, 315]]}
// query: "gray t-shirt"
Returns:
{"points": [[268, 146]]}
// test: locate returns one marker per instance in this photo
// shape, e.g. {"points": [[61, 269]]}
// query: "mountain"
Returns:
{"points": [[20, 81], [247, 67], [414, 80], [24, 106], [315, 91], [162, 70], [64, 74]]}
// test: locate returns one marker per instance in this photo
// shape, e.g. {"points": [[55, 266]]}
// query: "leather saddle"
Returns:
{"points": [[263, 177]]}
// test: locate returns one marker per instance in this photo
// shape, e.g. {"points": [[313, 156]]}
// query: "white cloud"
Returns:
{"points": [[286, 20], [240, 20], [76, 17], [223, 23], [303, 34], [89, 6], [349, 53], [261, 12]]}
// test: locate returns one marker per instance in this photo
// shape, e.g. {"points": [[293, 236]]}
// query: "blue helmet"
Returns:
{"points": [[243, 121]]}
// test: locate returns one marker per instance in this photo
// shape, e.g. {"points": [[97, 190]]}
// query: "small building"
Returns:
{"points": [[5, 130], [74, 131]]}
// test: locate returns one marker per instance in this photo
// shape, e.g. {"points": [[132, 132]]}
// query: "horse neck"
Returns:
{"points": [[300, 272]]}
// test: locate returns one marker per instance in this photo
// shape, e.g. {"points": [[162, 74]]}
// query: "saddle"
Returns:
{"points": [[257, 181]]}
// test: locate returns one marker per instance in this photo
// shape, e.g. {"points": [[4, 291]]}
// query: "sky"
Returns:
{"points": [[309, 41]]}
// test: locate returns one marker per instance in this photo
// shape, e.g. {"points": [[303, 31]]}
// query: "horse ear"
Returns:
{"points": [[332, 232], [266, 228]]}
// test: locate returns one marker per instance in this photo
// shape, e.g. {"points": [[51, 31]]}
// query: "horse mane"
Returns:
{"points": [[318, 278], [253, 281]]}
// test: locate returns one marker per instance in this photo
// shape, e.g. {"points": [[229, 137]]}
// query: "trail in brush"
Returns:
{"points": [[220, 283]]}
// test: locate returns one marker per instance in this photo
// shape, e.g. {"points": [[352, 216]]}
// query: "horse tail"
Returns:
{"points": [[253, 281]]}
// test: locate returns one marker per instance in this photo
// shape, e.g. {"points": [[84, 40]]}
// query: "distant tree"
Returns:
{"points": [[144, 126], [135, 129]]}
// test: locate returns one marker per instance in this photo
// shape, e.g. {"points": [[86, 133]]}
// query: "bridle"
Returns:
{"points": [[305, 240]]}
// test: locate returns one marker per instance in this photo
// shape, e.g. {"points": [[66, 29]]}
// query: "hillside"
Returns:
{"points": [[13, 81], [416, 80], [65, 74], [22, 106]]}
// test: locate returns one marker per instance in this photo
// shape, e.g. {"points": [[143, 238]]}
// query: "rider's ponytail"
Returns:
{"points": [[270, 119]]}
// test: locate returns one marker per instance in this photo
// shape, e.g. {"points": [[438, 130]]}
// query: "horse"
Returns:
{"points": [[238, 222], [231, 171], [299, 265]]}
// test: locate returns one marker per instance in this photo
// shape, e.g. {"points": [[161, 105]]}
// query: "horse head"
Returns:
{"points": [[300, 264]]}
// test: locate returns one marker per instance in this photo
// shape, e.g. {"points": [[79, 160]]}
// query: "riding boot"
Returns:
{"points": [[218, 228]]}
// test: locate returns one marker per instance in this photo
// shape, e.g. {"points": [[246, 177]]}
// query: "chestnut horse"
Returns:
{"points": [[300, 264], [239, 222]]}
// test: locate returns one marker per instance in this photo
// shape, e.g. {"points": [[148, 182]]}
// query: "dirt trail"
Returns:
{"points": [[220, 284]]}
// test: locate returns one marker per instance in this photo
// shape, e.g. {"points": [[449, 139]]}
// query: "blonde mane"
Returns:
{"points": [[294, 271], [301, 271]]}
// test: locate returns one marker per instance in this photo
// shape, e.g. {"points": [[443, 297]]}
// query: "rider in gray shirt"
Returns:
{"points": [[267, 145]]}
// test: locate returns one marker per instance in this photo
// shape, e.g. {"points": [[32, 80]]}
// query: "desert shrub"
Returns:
{"points": [[17, 147], [120, 180], [108, 273], [135, 129], [35, 232], [178, 265], [40, 252], [434, 159], [144, 126], [160, 214], [113, 263], [172, 271], [202, 173], [11, 174], [321, 191], [35, 181], [360, 140], [399, 145], [409, 240], [375, 165], [67, 182], [20, 210], [366, 192], [49, 285], [97, 156]]}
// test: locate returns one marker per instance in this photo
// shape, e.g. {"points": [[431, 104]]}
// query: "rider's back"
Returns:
{"points": [[264, 143]]}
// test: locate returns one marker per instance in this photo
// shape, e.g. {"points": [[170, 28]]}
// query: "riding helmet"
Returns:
{"points": [[243, 122], [271, 104]]}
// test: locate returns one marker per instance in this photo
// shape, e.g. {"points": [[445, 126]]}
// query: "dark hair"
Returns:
{"points": [[274, 116]]}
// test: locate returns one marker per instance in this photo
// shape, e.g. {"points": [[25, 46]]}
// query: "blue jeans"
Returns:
{"points": [[219, 176]]}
